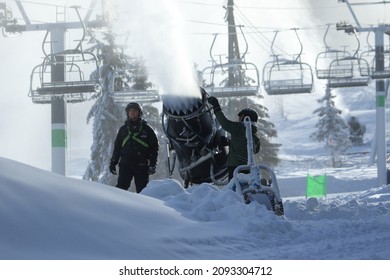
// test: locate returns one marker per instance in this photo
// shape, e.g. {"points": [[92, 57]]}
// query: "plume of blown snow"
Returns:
{"points": [[156, 35]]}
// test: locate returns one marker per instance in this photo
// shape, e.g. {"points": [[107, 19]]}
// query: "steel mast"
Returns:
{"points": [[380, 141]]}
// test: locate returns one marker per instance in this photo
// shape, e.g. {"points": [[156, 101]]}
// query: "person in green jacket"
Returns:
{"points": [[238, 154]]}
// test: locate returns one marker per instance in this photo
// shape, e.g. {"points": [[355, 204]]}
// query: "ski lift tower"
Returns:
{"points": [[233, 49], [379, 32], [57, 68]]}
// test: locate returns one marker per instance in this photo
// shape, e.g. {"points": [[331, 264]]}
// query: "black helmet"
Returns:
{"points": [[134, 105], [250, 113]]}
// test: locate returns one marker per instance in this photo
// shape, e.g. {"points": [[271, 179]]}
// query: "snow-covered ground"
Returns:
{"points": [[48, 216], [45, 216]]}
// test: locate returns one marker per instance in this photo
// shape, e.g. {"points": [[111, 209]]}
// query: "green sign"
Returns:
{"points": [[380, 101], [316, 186], [58, 138]]}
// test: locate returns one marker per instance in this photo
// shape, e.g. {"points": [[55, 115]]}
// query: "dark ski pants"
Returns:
{"points": [[127, 173]]}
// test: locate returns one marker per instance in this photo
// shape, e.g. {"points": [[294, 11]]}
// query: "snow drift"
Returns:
{"points": [[48, 216]]}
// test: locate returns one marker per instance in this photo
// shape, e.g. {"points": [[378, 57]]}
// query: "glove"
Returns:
{"points": [[152, 170], [112, 167], [214, 102]]}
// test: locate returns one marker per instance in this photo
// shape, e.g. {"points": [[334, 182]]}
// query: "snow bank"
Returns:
{"points": [[47, 216]]}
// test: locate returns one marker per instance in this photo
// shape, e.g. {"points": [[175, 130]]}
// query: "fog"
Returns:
{"points": [[171, 36]]}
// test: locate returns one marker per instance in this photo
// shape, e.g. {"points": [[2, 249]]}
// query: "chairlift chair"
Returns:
{"points": [[124, 93], [287, 77], [371, 56], [336, 64], [245, 81], [75, 87], [383, 73], [236, 78], [128, 95], [324, 60], [349, 72]]}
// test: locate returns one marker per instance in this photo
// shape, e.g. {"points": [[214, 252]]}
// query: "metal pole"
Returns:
{"points": [[234, 53], [380, 110], [380, 133], [58, 107], [352, 12]]}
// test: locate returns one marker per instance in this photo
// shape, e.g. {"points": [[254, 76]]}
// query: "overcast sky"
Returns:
{"points": [[184, 29]]}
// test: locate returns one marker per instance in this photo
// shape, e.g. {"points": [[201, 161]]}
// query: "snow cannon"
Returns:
{"points": [[195, 139]]}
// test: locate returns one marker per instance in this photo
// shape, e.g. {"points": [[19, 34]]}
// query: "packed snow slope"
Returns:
{"points": [[48, 216]]}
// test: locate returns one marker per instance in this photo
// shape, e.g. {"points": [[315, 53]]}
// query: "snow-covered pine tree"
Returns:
{"points": [[266, 130], [106, 116], [331, 127], [117, 70]]}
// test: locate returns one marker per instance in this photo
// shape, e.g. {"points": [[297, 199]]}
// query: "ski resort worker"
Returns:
{"points": [[238, 154], [135, 149]]}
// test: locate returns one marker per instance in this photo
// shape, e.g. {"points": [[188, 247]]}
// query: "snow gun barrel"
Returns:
{"points": [[195, 136]]}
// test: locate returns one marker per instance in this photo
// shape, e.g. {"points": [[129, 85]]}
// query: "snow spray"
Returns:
{"points": [[156, 35]]}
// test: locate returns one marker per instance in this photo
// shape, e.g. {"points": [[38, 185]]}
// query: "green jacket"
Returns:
{"points": [[238, 154]]}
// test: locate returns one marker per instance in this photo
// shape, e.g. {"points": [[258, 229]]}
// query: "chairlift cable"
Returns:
{"points": [[264, 8], [369, 3], [50, 5], [206, 22], [199, 3], [290, 8], [260, 35]]}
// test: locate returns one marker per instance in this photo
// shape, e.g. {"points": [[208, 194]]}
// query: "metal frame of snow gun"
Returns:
{"points": [[194, 136], [256, 185]]}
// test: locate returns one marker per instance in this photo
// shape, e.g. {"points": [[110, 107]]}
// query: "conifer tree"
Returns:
{"points": [[266, 130], [331, 127], [106, 116], [118, 71]]}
